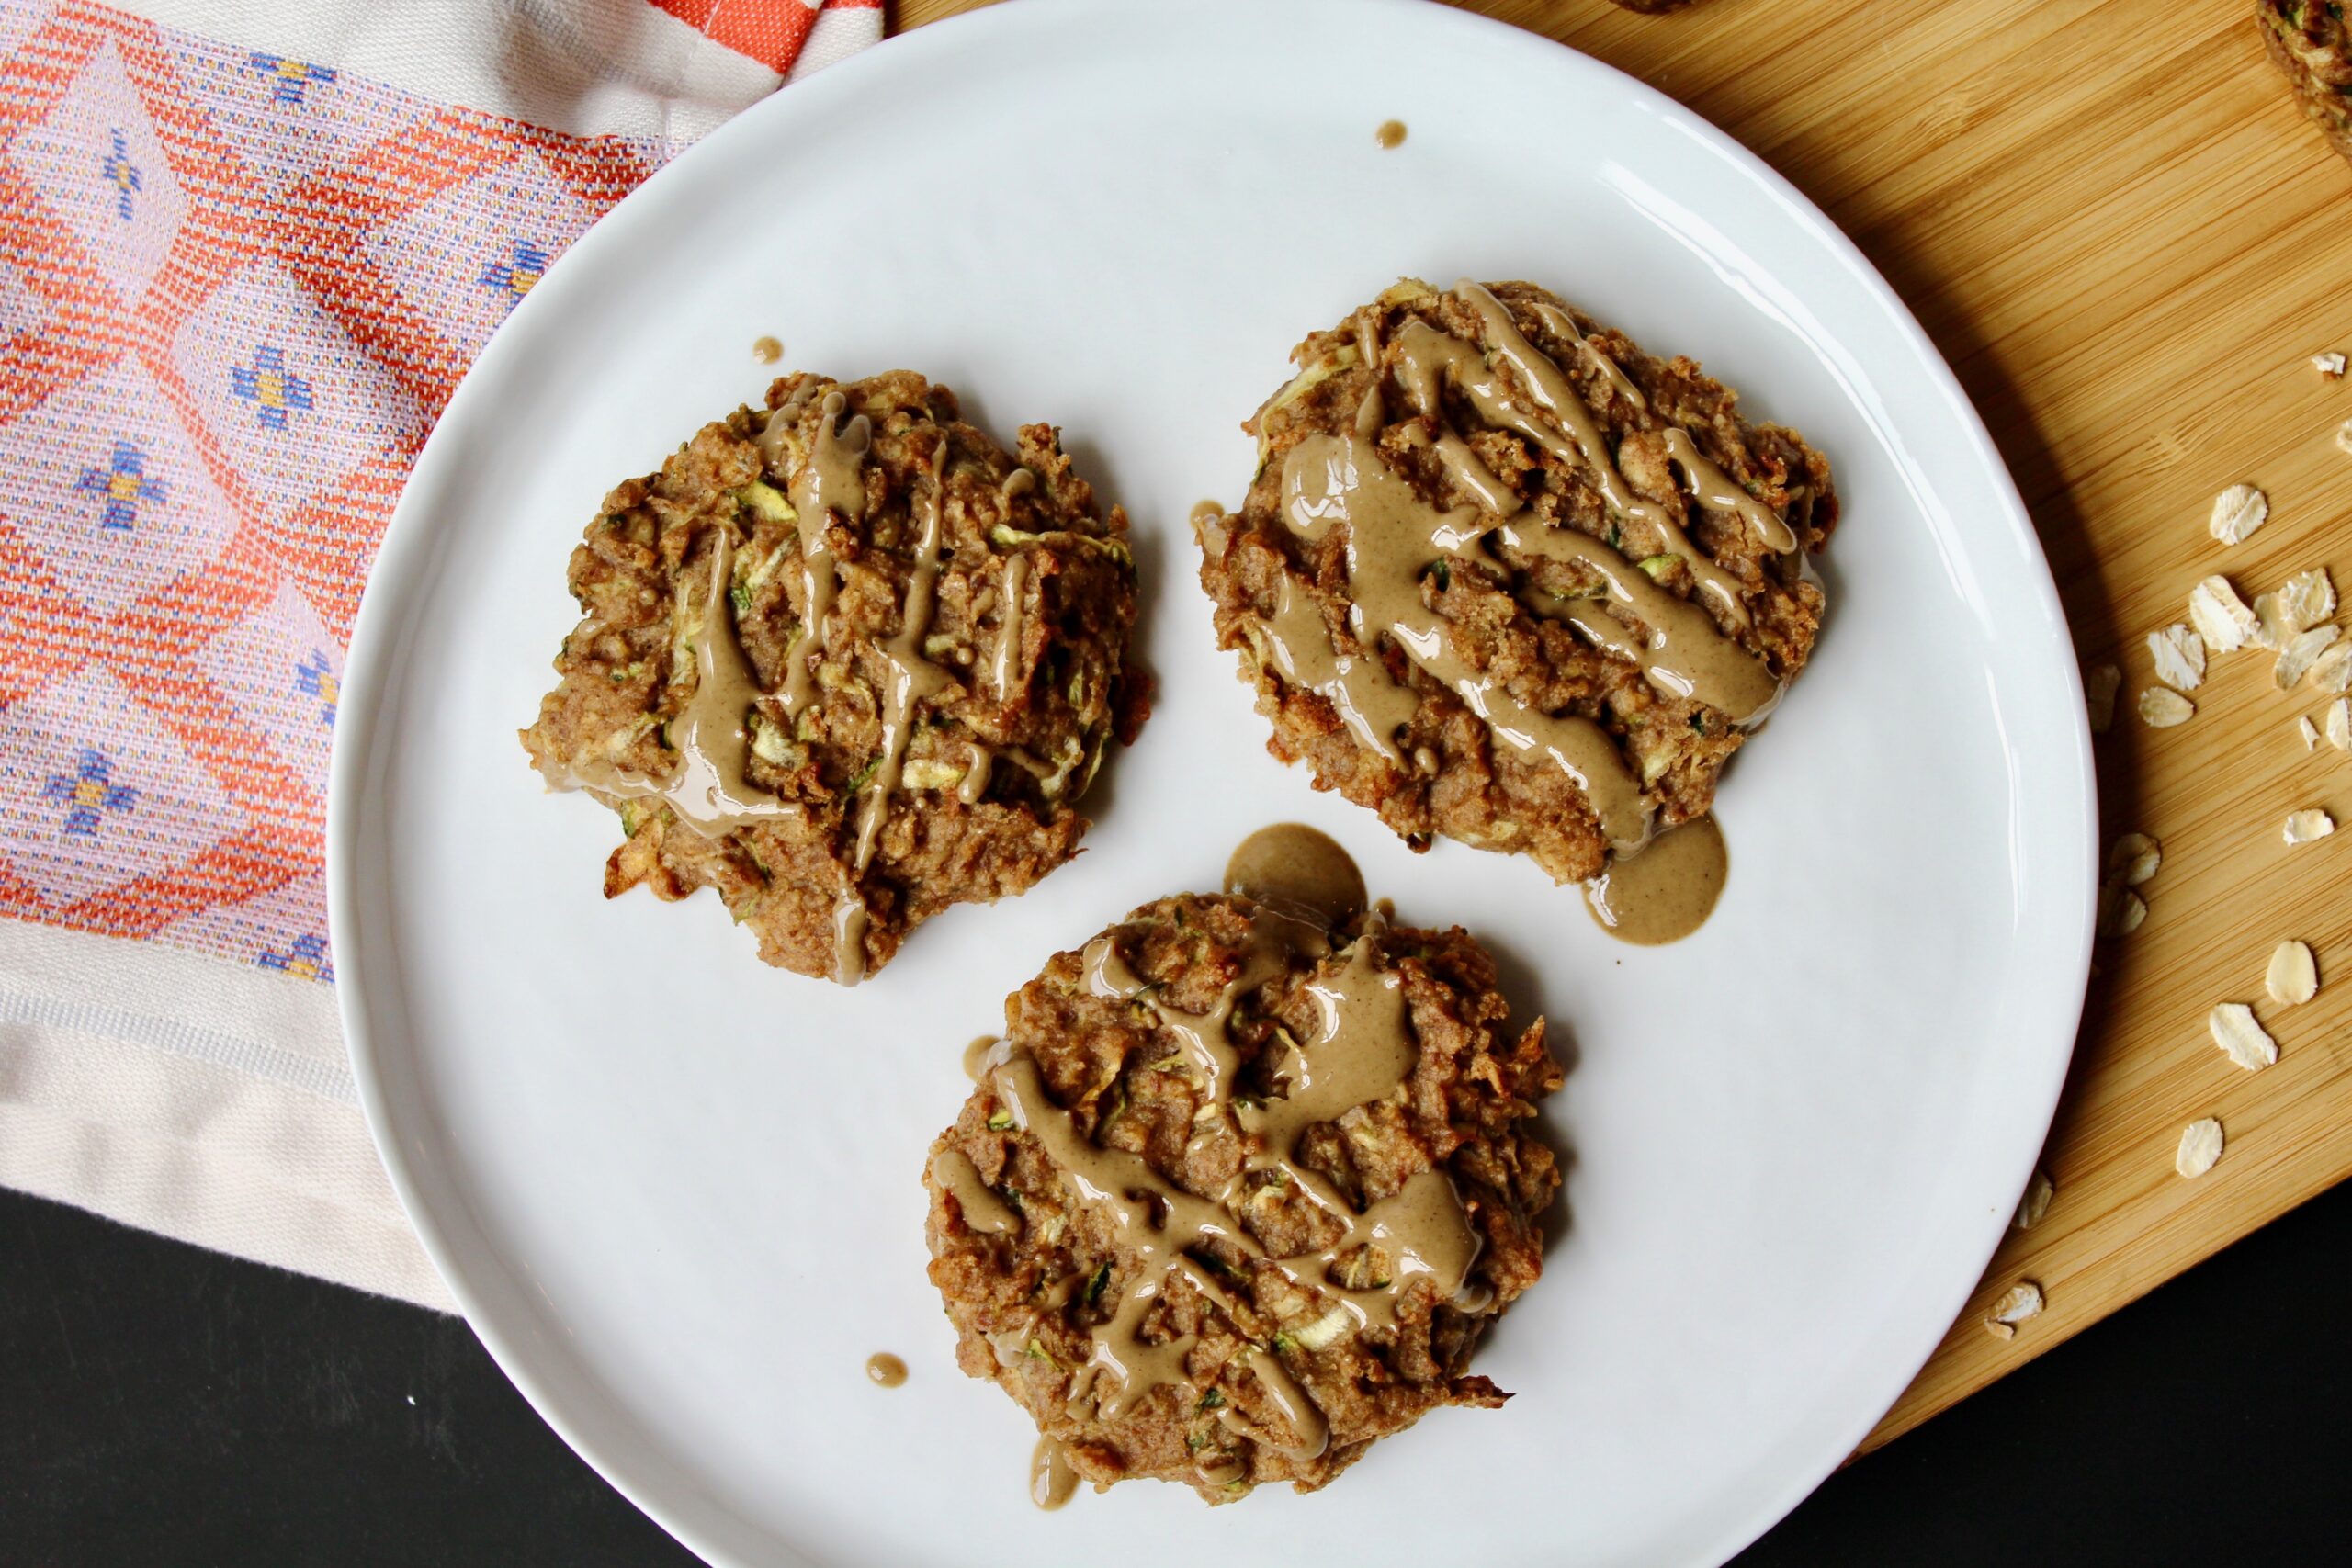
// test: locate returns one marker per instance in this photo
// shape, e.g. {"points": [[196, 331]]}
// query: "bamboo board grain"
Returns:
{"points": [[2115, 224]]}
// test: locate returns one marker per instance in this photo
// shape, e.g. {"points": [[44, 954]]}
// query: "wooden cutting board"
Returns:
{"points": [[2113, 220]]}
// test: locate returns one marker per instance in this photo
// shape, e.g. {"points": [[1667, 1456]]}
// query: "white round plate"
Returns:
{"points": [[679, 1193]]}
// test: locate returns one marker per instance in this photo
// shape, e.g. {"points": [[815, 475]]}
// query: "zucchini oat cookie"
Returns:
{"points": [[1504, 577], [2309, 42], [1236, 1197], [847, 661]]}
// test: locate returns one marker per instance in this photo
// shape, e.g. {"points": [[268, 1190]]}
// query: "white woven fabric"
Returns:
{"points": [[197, 1098]]}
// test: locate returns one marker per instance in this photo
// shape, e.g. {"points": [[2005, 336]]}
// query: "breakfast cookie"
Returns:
{"points": [[1504, 577], [849, 662], [1237, 1194]]}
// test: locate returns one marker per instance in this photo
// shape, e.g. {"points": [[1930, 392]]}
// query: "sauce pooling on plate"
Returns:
{"points": [[1665, 892], [1051, 1480], [1290, 863]]}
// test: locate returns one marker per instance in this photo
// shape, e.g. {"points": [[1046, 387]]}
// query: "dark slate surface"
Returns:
{"points": [[162, 1405]]}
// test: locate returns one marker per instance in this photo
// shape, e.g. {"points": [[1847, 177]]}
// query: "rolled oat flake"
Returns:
{"points": [[2237, 513], [2161, 708], [2020, 1302], [2303, 827], [2036, 1201], [2241, 1038], [2134, 857], [2200, 1146], [2294, 974], [2100, 685]]}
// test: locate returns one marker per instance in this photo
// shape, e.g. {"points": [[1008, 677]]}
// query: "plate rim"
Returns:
{"points": [[405, 552]]}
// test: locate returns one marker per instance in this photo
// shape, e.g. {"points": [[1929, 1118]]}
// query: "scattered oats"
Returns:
{"points": [[2302, 652], [2130, 861], [2134, 857], [2200, 1146], [2304, 826], [2220, 616], [2270, 627], [2294, 974], [2100, 685], [2331, 671], [2237, 513], [2179, 654], [2242, 1040], [2036, 1201], [2023, 1300], [2310, 732], [2307, 598], [2338, 725], [2329, 364], [2120, 910], [2344, 437], [2162, 708]]}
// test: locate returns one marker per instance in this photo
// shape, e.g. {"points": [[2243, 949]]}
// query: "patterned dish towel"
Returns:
{"points": [[247, 248]]}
